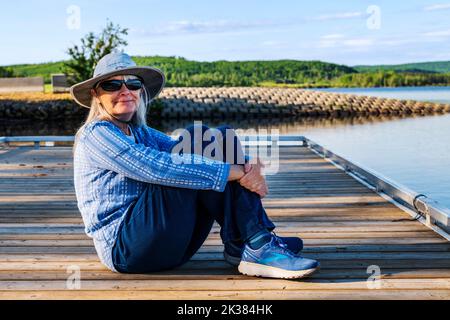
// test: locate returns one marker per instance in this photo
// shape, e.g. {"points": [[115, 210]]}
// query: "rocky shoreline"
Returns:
{"points": [[226, 103]]}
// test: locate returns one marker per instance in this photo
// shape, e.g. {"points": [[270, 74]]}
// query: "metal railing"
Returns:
{"points": [[37, 140], [433, 213]]}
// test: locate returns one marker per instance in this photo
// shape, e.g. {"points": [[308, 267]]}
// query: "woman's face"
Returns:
{"points": [[123, 103]]}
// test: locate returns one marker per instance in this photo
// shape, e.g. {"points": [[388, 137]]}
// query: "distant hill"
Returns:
{"points": [[37, 70], [245, 73], [183, 72], [421, 67]]}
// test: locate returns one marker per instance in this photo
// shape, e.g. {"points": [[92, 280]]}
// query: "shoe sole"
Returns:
{"points": [[260, 270]]}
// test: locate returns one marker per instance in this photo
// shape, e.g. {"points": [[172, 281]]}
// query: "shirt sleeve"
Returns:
{"points": [[107, 146], [164, 141]]}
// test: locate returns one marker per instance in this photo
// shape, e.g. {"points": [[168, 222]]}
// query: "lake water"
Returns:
{"points": [[413, 151], [430, 94]]}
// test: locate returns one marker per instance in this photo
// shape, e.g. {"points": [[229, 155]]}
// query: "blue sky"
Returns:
{"points": [[341, 31]]}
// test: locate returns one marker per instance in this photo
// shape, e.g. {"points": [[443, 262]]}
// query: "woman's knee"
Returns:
{"points": [[206, 132], [196, 127], [226, 129], [232, 147], [226, 147]]}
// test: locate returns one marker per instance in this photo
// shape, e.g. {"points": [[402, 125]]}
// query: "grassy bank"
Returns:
{"points": [[181, 72]]}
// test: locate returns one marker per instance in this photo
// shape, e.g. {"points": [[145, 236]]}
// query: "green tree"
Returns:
{"points": [[93, 47], [6, 72]]}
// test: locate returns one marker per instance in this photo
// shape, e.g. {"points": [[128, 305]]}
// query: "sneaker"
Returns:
{"points": [[274, 260], [232, 253]]}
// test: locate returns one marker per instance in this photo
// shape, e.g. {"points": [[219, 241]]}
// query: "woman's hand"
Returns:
{"points": [[236, 172], [253, 179]]}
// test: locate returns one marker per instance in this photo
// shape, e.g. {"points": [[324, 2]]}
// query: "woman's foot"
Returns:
{"points": [[274, 260], [232, 252]]}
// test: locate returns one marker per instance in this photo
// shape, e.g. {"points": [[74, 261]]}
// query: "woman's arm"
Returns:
{"points": [[236, 172], [107, 146], [164, 141]]}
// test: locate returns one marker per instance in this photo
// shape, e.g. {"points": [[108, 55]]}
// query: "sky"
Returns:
{"points": [[351, 32]]}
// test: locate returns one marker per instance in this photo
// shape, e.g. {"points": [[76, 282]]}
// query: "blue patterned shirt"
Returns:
{"points": [[111, 171]]}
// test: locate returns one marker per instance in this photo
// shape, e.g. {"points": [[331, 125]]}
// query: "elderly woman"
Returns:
{"points": [[149, 208]]}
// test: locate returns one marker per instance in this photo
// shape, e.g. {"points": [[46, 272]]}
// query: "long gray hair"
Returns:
{"points": [[97, 111]]}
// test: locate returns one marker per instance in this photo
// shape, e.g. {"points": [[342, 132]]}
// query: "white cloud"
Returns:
{"points": [[339, 40], [394, 42], [359, 43], [337, 16], [343, 42], [442, 6], [197, 27], [332, 36], [441, 33], [272, 44]]}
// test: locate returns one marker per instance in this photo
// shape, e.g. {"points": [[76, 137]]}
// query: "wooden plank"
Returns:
{"points": [[32, 206], [44, 236], [218, 274], [357, 235], [41, 197], [39, 219], [45, 243], [215, 252], [291, 226], [13, 218], [344, 257], [361, 237], [313, 245], [230, 295], [65, 194], [224, 285], [86, 246], [207, 265]]}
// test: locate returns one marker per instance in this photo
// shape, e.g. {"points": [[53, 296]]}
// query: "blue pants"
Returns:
{"points": [[167, 225]]}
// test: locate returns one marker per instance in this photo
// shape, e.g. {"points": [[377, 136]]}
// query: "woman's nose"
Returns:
{"points": [[124, 90]]}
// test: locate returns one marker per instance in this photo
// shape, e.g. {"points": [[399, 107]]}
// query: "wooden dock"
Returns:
{"points": [[350, 229]]}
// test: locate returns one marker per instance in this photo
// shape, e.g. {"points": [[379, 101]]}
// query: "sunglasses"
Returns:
{"points": [[116, 85]]}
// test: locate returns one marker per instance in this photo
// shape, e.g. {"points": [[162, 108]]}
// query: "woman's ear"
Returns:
{"points": [[94, 95]]}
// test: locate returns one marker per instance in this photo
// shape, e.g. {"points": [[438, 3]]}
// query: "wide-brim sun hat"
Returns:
{"points": [[114, 64]]}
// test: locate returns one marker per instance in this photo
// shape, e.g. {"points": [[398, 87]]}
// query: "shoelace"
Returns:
{"points": [[282, 244], [279, 241]]}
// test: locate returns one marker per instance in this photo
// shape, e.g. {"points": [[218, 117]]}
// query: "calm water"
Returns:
{"points": [[430, 94], [413, 151]]}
